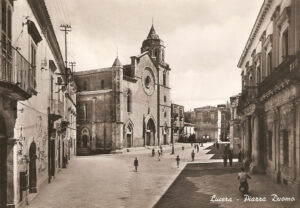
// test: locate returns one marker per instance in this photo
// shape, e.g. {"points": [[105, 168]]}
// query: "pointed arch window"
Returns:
{"points": [[164, 78], [129, 101], [102, 84]]}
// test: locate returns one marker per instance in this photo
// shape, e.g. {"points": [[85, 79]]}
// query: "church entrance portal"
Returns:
{"points": [[150, 133]]}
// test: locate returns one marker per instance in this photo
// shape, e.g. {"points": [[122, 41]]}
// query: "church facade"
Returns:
{"points": [[125, 105]]}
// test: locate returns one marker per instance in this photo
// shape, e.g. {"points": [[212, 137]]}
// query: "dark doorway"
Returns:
{"points": [[128, 138], [32, 168], [165, 139], [52, 157], [3, 169], [150, 137], [84, 141]]}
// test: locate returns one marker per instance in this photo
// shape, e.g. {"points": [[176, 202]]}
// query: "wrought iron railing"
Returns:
{"points": [[15, 69]]}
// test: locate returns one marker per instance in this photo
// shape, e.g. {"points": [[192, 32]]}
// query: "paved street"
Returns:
{"points": [[110, 180], [199, 182]]}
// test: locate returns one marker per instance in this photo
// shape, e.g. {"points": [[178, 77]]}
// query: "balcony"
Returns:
{"points": [[287, 70], [17, 76], [56, 109]]}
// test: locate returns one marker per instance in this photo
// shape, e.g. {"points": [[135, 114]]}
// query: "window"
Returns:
{"points": [[129, 97], [270, 142], [33, 61], [269, 63], [285, 44], [147, 82], [164, 78], [102, 84], [165, 114], [84, 85], [258, 76], [165, 98], [285, 148]]}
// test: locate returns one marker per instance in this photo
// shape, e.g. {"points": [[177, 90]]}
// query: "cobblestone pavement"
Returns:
{"points": [[197, 183], [110, 180]]}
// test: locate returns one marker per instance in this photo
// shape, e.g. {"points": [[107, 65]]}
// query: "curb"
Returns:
{"points": [[167, 188]]}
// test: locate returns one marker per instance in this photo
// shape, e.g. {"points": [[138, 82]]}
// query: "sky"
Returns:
{"points": [[204, 40]]}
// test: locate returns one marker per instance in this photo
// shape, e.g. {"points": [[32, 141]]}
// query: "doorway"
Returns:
{"points": [[3, 161], [32, 168], [150, 132]]}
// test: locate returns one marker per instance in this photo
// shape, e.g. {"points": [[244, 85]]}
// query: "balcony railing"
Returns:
{"points": [[17, 76], [56, 107], [288, 69]]}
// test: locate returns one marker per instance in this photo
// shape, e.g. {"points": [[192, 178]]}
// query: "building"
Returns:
{"points": [[33, 97], [223, 123], [189, 129], [125, 105], [206, 126], [269, 103], [177, 118], [235, 126], [190, 116]]}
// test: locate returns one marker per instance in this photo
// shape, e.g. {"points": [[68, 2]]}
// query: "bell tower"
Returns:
{"points": [[155, 46]]}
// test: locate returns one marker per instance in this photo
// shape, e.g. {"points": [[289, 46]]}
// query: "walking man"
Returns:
{"points": [[177, 160], [136, 164], [161, 151], [197, 148], [153, 152], [193, 155]]}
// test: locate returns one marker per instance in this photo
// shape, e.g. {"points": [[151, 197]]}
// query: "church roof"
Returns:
{"points": [[152, 34], [117, 62]]}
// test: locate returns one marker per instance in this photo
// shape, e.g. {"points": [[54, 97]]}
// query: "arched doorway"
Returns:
{"points": [[3, 169], [85, 137], [150, 132], [32, 168], [129, 134]]}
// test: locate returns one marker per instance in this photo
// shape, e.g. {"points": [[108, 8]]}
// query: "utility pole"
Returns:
{"points": [[72, 64], [66, 28]]}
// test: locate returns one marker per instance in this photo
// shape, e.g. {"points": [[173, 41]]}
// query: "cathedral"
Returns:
{"points": [[125, 106]]}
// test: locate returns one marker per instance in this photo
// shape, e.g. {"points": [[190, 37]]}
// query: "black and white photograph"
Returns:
{"points": [[150, 104]]}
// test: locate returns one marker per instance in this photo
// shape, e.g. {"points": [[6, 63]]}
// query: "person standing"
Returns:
{"points": [[197, 148], [177, 160], [193, 155], [161, 150], [136, 164], [225, 159], [153, 152], [230, 156], [158, 151]]}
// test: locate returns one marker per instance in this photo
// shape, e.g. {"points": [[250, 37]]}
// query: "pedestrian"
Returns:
{"points": [[182, 147], [193, 155], [158, 151], [240, 156], [225, 159], [191, 143], [177, 160], [153, 152], [161, 150], [217, 146], [230, 156], [197, 148], [136, 164]]}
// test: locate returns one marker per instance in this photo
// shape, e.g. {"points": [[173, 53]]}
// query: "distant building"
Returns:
{"points": [[206, 126], [125, 105], [190, 117], [223, 123], [189, 129], [235, 125], [177, 118]]}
